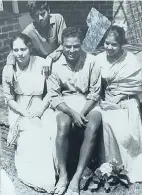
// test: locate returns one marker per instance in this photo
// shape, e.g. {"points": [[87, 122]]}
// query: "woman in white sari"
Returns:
{"points": [[29, 127], [119, 105]]}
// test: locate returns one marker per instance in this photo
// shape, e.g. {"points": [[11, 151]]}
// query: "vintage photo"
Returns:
{"points": [[70, 97]]}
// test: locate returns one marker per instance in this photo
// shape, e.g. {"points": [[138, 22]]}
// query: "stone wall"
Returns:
{"points": [[9, 26]]}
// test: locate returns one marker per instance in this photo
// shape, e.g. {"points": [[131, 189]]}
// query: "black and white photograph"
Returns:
{"points": [[71, 97]]}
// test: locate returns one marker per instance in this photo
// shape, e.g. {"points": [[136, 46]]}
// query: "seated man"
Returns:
{"points": [[45, 32], [74, 89]]}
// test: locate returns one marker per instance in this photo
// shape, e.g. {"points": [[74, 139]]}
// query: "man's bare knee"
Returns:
{"points": [[63, 124], [95, 119]]}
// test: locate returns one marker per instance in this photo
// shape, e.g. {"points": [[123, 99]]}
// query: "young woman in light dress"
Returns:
{"points": [[29, 126]]}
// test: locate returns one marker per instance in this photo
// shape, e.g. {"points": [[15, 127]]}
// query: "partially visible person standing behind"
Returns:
{"points": [[45, 33]]}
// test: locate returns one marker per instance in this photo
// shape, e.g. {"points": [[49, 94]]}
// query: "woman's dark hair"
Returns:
{"points": [[34, 5], [72, 32], [118, 33], [25, 38]]}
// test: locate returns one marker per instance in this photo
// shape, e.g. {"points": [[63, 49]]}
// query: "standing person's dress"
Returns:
{"points": [[33, 155], [122, 127]]}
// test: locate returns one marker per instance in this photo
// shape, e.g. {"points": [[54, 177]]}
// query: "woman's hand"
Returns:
{"points": [[108, 106], [79, 119], [37, 113], [24, 112], [116, 99]]}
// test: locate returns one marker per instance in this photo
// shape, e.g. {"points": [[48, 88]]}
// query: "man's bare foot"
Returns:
{"points": [[73, 188], [61, 186]]}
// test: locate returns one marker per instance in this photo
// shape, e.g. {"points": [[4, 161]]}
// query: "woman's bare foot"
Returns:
{"points": [[61, 186]]}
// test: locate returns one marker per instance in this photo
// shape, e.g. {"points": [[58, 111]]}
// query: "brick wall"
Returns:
{"points": [[9, 26], [75, 12]]}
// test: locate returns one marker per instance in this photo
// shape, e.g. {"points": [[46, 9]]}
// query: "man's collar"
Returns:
{"points": [[80, 61], [52, 19]]}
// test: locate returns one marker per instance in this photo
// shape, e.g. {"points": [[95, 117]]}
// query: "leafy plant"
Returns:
{"points": [[108, 176]]}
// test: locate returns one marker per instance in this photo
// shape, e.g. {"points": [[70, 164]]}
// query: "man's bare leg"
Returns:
{"points": [[63, 125], [86, 150]]}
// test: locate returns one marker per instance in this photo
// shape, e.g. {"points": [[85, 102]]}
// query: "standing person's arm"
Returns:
{"points": [[10, 61], [9, 93], [61, 25], [55, 55]]}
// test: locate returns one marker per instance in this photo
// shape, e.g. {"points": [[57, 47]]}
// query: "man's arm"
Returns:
{"points": [[94, 89], [57, 101], [90, 104]]}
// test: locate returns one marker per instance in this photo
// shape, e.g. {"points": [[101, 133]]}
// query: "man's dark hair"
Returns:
{"points": [[37, 5], [72, 32]]}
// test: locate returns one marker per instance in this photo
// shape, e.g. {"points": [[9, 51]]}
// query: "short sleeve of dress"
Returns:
{"points": [[7, 87]]}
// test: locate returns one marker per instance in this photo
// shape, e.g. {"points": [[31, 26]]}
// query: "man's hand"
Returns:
{"points": [[79, 119], [55, 55]]}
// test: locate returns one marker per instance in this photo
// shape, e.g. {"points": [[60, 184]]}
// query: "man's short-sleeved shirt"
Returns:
{"points": [[45, 46], [85, 79]]}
